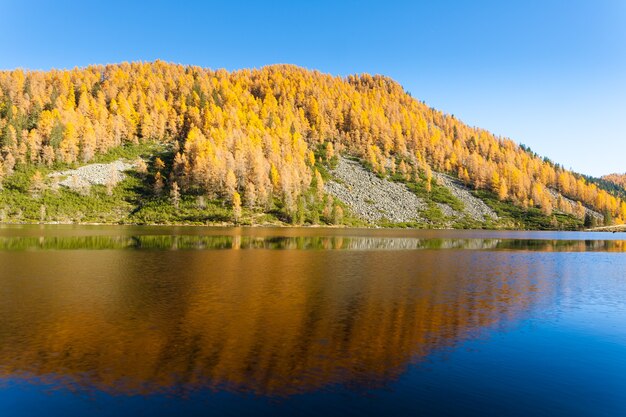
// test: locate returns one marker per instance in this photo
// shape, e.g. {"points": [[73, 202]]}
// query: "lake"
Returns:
{"points": [[159, 321]]}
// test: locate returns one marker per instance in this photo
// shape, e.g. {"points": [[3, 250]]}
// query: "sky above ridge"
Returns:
{"points": [[550, 74]]}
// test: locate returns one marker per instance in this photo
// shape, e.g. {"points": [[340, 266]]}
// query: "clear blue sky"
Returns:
{"points": [[547, 73]]}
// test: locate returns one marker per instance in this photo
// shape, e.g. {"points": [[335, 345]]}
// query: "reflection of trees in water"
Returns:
{"points": [[182, 242], [270, 322]]}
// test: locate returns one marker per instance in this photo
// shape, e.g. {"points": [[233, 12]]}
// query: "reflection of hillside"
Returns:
{"points": [[270, 322], [175, 242]]}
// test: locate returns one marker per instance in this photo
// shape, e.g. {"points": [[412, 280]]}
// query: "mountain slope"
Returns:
{"points": [[263, 139], [617, 179]]}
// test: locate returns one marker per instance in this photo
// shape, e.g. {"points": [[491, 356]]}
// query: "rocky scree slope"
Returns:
{"points": [[375, 200]]}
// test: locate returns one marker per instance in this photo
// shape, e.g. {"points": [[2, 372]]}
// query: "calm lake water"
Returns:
{"points": [[158, 321]]}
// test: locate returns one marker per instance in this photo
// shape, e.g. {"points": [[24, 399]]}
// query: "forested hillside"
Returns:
{"points": [[262, 139], [617, 179]]}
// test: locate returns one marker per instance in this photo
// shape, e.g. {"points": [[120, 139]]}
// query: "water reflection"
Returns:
{"points": [[268, 322], [201, 242]]}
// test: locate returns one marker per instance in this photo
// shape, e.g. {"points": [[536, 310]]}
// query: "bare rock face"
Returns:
{"points": [[93, 174], [371, 198], [374, 199]]}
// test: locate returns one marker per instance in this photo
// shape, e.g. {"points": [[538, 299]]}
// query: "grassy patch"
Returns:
{"points": [[514, 217], [131, 151], [438, 193], [404, 225], [66, 206]]}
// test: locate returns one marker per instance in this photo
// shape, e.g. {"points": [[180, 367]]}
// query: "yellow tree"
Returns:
{"points": [[236, 201]]}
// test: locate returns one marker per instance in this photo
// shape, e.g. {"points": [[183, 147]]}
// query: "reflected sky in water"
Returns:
{"points": [[130, 320]]}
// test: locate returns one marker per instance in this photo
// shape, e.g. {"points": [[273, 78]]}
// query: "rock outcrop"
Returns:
{"points": [[371, 198], [376, 199], [473, 207], [92, 174]]}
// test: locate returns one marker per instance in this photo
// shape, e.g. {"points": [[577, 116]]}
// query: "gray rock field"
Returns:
{"points": [[92, 174], [474, 207], [374, 199], [371, 198]]}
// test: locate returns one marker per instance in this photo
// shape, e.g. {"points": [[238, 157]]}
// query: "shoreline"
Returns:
{"points": [[603, 229]]}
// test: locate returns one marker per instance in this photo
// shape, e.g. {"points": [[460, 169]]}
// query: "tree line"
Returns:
{"points": [[256, 136]]}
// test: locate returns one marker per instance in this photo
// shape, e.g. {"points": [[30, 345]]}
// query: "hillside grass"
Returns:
{"points": [[133, 201], [514, 217]]}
